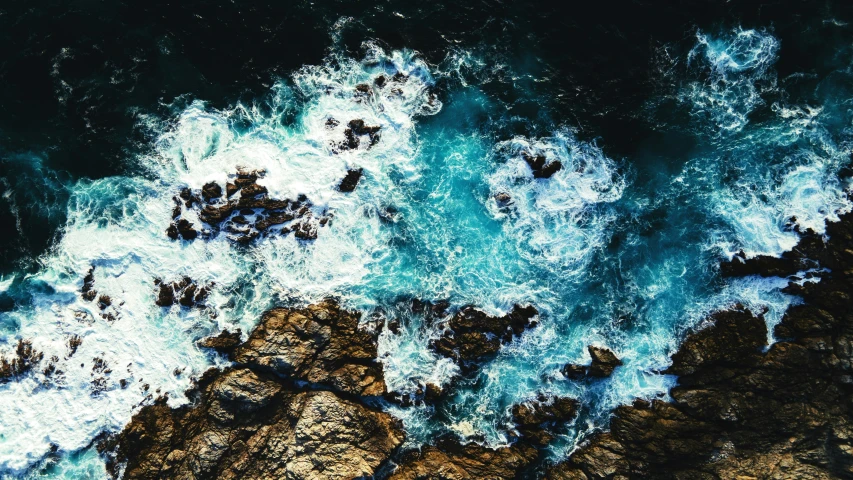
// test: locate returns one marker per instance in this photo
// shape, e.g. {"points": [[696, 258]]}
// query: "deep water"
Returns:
{"points": [[686, 135]]}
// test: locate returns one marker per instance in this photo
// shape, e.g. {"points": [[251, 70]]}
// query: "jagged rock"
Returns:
{"points": [[540, 166], [472, 334], [226, 342], [211, 191], [603, 363], [350, 181], [88, 290], [740, 411], [319, 344], [184, 291], [24, 360], [252, 422], [538, 420], [355, 129], [451, 461], [249, 425]]}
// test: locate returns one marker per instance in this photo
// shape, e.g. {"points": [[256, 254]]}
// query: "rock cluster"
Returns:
{"points": [[472, 335], [540, 165], [740, 411], [25, 359], [184, 292], [539, 421], [255, 420], [247, 217]]}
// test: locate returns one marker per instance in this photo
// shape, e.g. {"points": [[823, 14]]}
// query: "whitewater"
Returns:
{"points": [[611, 251]]}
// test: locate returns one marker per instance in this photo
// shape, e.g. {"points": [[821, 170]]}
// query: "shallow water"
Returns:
{"points": [[613, 250]]}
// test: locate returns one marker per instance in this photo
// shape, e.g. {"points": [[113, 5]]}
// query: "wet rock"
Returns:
{"points": [[741, 410], [540, 166], [24, 359], [350, 181], [503, 199], [186, 230], [104, 301], [603, 362], [332, 123], [379, 81], [540, 420], [355, 129], [211, 191], [230, 189], [471, 334], [319, 344], [451, 461], [306, 229], [252, 422], [88, 290], [225, 342], [185, 292], [73, 344]]}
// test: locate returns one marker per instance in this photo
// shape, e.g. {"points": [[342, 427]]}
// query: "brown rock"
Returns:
{"points": [[225, 342], [452, 461], [319, 344]]}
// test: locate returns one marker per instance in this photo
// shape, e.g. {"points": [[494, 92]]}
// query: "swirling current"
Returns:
{"points": [[736, 136]]}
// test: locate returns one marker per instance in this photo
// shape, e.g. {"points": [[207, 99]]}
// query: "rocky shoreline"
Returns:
{"points": [[301, 399]]}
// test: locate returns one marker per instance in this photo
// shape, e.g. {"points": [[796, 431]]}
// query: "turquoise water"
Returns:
{"points": [[618, 252]]}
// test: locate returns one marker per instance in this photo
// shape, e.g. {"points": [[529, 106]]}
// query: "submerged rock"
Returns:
{"points": [[740, 411], [25, 359]]}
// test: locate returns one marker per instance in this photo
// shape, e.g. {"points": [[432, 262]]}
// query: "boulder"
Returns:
{"points": [[350, 181]]}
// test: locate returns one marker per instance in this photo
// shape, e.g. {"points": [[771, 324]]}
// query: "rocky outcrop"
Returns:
{"points": [[251, 425], [256, 421], [471, 335], [350, 181], [245, 218], [451, 461], [25, 359], [740, 411], [603, 363], [184, 292], [540, 420], [226, 342], [318, 344], [540, 165]]}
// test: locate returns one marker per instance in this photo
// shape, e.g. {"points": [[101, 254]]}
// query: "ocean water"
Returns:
{"points": [[619, 248]]}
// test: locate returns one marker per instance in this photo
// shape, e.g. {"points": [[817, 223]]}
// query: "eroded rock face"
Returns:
{"points": [[740, 412], [252, 421], [451, 461]]}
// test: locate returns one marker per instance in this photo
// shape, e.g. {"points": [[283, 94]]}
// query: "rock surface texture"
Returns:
{"points": [[741, 412], [252, 421]]}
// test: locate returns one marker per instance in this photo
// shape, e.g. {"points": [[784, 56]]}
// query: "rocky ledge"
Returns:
{"points": [[741, 410], [292, 406], [296, 403]]}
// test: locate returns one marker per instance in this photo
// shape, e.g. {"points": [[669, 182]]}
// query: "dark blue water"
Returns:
{"points": [[686, 135]]}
